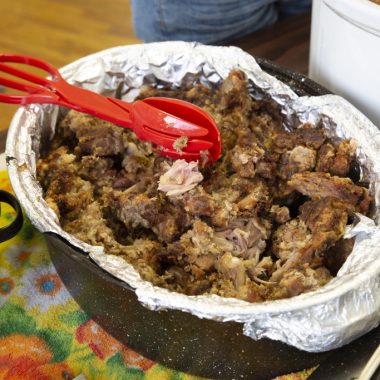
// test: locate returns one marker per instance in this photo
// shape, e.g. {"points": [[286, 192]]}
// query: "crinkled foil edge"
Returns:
{"points": [[330, 317]]}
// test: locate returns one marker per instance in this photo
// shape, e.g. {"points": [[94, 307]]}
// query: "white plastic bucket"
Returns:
{"points": [[345, 51]]}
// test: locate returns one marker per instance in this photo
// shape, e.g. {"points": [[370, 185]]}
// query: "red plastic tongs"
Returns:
{"points": [[160, 121]]}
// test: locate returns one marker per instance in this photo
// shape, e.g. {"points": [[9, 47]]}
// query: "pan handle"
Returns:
{"points": [[14, 227]]}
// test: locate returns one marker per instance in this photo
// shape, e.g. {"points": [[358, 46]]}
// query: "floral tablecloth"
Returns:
{"points": [[43, 332]]}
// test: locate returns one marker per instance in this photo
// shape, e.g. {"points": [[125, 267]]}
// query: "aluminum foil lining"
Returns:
{"points": [[330, 317]]}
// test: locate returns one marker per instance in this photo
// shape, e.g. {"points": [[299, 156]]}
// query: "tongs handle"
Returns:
{"points": [[56, 91], [41, 93]]}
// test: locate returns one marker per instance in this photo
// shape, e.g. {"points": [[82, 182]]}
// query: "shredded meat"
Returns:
{"points": [[304, 240], [266, 221], [180, 178]]}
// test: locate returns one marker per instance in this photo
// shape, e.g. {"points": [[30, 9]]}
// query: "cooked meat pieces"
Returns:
{"points": [[95, 137], [94, 168], [179, 178], [317, 185], [232, 268], [139, 211], [245, 158], [305, 134], [66, 193], [90, 226], [304, 240], [298, 160], [290, 238], [69, 194], [281, 214], [234, 93], [336, 160], [264, 222], [224, 260], [198, 202], [255, 196], [336, 256], [325, 215], [297, 281]]}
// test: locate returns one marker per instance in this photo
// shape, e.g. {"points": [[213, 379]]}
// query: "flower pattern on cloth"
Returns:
{"points": [[44, 335], [7, 284], [19, 255], [42, 287]]}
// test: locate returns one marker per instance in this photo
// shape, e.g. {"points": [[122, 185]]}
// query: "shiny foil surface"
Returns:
{"points": [[347, 307]]}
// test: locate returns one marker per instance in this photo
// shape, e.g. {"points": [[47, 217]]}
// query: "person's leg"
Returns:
{"points": [[211, 21], [292, 7]]}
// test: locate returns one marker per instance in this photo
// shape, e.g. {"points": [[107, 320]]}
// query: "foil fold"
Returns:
{"points": [[347, 307]]}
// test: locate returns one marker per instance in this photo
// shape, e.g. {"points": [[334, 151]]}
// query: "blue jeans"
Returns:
{"points": [[208, 21]]}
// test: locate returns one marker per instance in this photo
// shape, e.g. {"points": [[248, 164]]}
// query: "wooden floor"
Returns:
{"points": [[61, 31]]}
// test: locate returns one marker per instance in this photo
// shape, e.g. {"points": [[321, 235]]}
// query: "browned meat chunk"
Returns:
{"points": [[336, 161], [95, 136], [255, 196], [234, 92], [336, 256], [244, 159], [69, 194], [94, 168], [139, 211], [298, 160], [317, 185], [197, 250], [197, 202], [325, 215], [306, 135], [65, 192], [58, 160], [281, 214]]}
